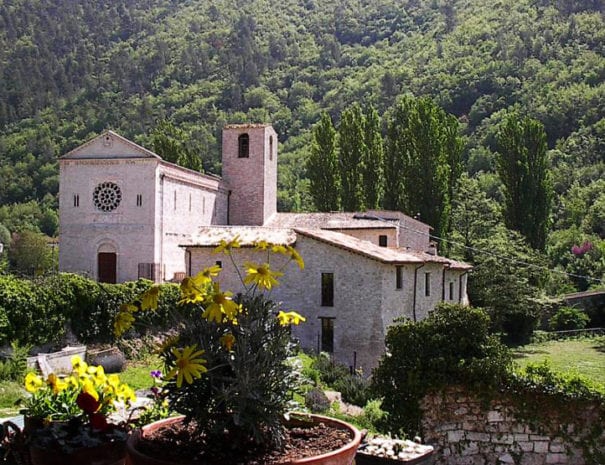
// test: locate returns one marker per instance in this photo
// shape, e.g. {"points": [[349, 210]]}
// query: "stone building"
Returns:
{"points": [[125, 214]]}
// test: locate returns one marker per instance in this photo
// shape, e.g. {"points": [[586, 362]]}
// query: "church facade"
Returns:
{"points": [[127, 214]]}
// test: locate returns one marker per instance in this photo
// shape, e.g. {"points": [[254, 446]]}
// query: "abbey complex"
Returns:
{"points": [[127, 214]]}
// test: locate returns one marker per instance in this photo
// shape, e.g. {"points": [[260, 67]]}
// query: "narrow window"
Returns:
{"points": [[327, 335], [382, 240], [203, 205], [243, 143], [189, 201], [76, 200], [175, 200], [327, 289], [451, 290], [270, 147], [427, 284], [399, 277], [139, 200]]}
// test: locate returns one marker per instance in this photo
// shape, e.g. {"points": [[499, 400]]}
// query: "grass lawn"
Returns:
{"points": [[585, 356], [10, 393], [136, 374]]}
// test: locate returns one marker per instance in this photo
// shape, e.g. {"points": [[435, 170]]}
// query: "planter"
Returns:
{"points": [[106, 454], [401, 453], [112, 360], [341, 456]]}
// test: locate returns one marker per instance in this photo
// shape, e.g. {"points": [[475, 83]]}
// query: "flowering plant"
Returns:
{"points": [[226, 361], [74, 411]]}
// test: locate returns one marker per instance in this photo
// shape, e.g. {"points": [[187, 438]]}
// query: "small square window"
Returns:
{"points": [[382, 240]]}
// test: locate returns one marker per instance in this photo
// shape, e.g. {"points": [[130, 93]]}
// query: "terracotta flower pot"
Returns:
{"points": [[107, 454], [342, 456]]}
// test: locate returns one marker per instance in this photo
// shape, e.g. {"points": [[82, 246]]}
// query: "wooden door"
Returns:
{"points": [[107, 270]]}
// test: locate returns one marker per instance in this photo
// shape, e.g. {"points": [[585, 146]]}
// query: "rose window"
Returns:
{"points": [[107, 196]]}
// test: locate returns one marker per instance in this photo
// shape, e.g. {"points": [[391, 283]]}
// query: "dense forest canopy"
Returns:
{"points": [[69, 70]]}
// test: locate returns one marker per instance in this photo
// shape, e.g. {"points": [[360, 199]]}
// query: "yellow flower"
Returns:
{"points": [[113, 380], [261, 275], [126, 394], [278, 248], [206, 275], [122, 323], [190, 292], [98, 374], [89, 388], [56, 384], [220, 304], [262, 245], [33, 382], [149, 299], [227, 341], [294, 255], [226, 246], [287, 318], [128, 308], [189, 365], [79, 365]]}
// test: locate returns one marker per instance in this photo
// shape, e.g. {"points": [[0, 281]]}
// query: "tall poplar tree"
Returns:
{"points": [[322, 167], [352, 146], [522, 165], [373, 161], [424, 151]]}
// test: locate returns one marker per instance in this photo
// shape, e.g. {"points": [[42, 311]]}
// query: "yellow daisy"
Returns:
{"points": [[261, 275], [205, 276], [122, 323], [221, 304], [149, 299], [190, 292], [226, 246], [294, 255], [287, 318], [188, 365]]}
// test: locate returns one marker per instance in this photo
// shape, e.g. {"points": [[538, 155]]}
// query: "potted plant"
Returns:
{"points": [[227, 374], [68, 420]]}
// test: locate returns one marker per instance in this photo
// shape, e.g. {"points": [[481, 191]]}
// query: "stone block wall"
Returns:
{"points": [[468, 430]]}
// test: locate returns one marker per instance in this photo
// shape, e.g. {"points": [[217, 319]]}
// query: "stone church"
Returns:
{"points": [[126, 214]]}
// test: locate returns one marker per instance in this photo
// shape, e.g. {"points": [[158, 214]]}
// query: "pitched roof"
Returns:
{"points": [[331, 221], [211, 236], [90, 149]]}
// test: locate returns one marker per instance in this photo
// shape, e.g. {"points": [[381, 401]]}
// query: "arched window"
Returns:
{"points": [[243, 144]]}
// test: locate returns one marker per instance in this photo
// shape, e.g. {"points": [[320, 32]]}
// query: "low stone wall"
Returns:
{"points": [[468, 430]]}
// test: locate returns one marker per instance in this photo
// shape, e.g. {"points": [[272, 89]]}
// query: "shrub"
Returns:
{"points": [[354, 389], [329, 371], [451, 346], [317, 401], [568, 318], [13, 368]]}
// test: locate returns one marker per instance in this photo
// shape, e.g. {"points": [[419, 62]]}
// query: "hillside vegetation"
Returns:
{"points": [[72, 69]]}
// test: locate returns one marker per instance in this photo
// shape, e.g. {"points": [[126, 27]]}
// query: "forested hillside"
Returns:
{"points": [[72, 69]]}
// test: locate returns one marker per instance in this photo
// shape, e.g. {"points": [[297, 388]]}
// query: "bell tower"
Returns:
{"points": [[250, 172]]}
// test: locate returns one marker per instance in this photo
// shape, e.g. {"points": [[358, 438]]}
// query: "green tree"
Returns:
{"points": [[474, 217], [322, 167], [373, 161], [425, 148], [30, 253], [170, 143], [522, 165], [352, 145], [506, 281]]}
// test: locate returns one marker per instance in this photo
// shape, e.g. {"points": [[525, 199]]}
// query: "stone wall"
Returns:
{"points": [[467, 430]]}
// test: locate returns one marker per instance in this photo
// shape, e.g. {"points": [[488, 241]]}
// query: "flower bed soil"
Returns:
{"points": [[180, 443]]}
